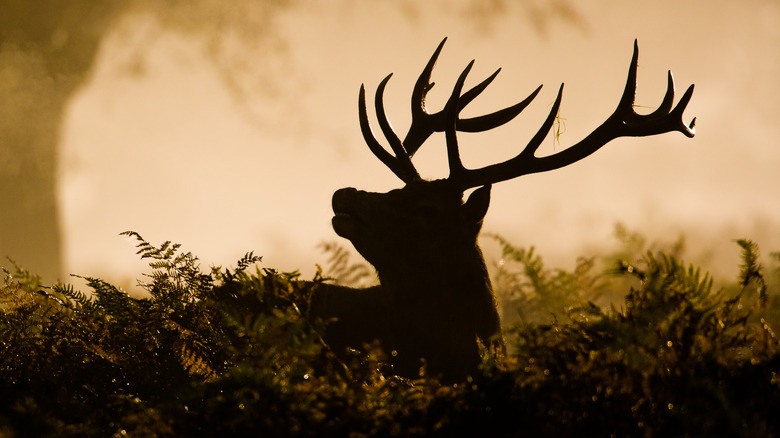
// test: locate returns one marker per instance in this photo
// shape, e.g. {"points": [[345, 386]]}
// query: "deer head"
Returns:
{"points": [[416, 224], [425, 218]]}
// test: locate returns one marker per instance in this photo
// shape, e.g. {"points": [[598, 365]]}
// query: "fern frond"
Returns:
{"points": [[110, 299], [342, 269], [247, 260], [80, 298], [751, 270]]}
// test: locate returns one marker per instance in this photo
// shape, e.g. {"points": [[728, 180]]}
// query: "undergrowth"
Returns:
{"points": [[233, 352]]}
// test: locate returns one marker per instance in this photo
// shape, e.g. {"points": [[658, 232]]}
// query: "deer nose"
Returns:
{"points": [[341, 193], [342, 196]]}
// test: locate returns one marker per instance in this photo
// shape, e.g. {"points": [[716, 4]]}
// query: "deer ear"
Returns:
{"points": [[477, 206]]}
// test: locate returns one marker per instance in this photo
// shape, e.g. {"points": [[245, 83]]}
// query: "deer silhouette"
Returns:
{"points": [[435, 300]]}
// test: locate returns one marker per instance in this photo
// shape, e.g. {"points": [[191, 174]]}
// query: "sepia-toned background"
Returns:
{"points": [[227, 126]]}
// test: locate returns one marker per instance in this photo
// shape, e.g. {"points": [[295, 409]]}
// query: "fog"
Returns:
{"points": [[228, 130]]}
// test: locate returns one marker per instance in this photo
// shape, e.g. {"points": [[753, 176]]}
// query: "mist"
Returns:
{"points": [[228, 128]]}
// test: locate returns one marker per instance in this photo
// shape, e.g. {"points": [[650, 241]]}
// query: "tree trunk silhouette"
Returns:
{"points": [[47, 47]]}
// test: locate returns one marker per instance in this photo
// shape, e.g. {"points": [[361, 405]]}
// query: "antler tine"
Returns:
{"points": [[451, 132], [496, 119], [424, 124], [402, 167], [624, 122], [424, 84], [659, 121], [395, 143]]}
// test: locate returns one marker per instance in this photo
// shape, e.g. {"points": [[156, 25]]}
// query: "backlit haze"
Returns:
{"points": [[234, 140]]}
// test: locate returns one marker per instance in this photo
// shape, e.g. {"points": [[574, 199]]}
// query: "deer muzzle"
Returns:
{"points": [[345, 219]]}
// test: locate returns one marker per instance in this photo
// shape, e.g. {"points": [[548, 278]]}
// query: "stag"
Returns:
{"points": [[435, 303]]}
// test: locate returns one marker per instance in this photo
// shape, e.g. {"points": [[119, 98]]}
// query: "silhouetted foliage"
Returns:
{"points": [[532, 294], [341, 268], [229, 352]]}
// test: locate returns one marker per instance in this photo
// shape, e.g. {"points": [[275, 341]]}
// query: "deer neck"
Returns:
{"points": [[447, 276]]}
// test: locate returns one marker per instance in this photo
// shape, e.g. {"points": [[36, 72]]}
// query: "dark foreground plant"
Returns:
{"points": [[233, 353]]}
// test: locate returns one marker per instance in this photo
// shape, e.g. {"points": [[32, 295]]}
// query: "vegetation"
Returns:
{"points": [[231, 352]]}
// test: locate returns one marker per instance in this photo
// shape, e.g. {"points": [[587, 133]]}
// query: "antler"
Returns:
{"points": [[624, 122], [424, 124]]}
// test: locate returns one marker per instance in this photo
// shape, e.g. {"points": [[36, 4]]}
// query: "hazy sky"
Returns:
{"points": [[228, 145]]}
